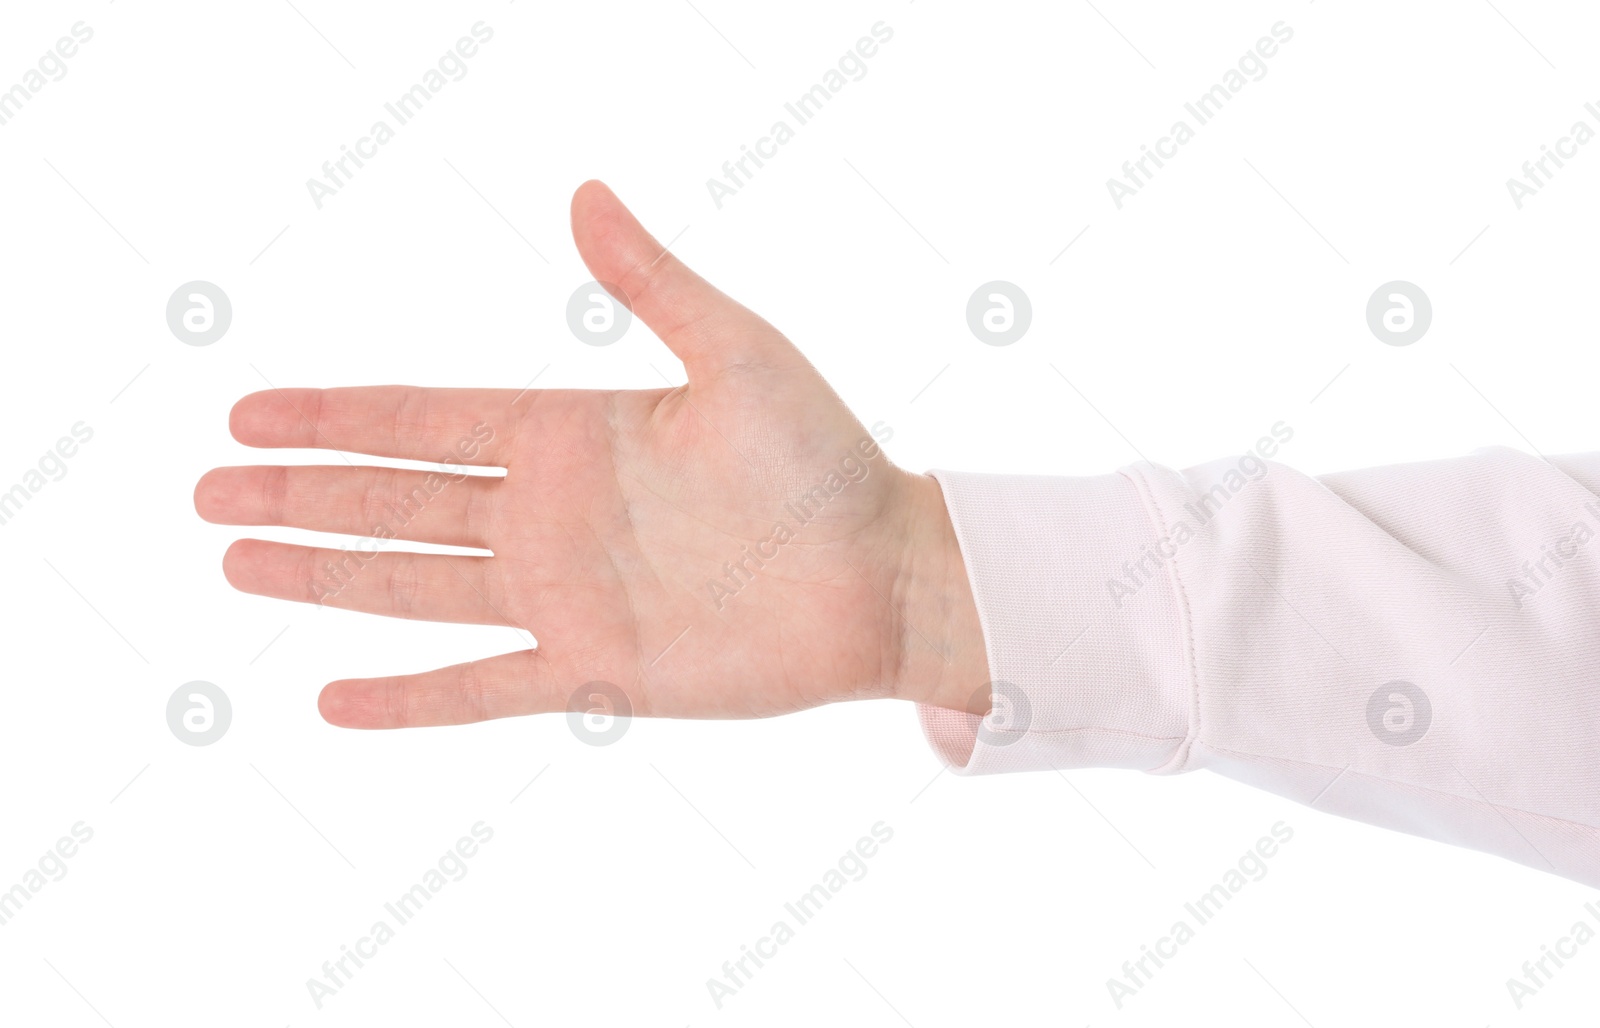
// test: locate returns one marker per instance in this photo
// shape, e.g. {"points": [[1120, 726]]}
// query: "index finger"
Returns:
{"points": [[460, 426]]}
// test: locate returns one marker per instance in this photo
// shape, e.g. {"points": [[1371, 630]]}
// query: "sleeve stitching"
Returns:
{"points": [[1141, 482]]}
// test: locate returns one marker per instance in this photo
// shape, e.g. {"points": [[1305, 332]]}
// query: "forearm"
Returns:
{"points": [[1408, 646]]}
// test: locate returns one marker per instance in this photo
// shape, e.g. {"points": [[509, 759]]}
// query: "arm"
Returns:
{"points": [[1412, 646], [740, 546]]}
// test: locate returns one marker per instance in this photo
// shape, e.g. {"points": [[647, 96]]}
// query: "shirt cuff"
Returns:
{"points": [[1083, 622]]}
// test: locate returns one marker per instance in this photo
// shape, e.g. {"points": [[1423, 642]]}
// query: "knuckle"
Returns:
{"points": [[314, 415], [410, 416], [306, 574], [275, 495], [382, 489], [470, 688], [396, 704], [404, 585]]}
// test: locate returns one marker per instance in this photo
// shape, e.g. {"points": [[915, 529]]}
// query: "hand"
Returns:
{"points": [[734, 547]]}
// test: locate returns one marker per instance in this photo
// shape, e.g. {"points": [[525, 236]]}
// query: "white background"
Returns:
{"points": [[1224, 297]]}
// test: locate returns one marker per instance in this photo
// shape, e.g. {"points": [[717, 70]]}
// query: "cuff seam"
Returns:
{"points": [[1144, 486], [1256, 759]]}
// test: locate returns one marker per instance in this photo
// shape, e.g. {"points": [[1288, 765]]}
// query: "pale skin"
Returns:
{"points": [[616, 523]]}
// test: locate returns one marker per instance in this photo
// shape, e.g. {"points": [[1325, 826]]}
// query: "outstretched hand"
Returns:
{"points": [[735, 547]]}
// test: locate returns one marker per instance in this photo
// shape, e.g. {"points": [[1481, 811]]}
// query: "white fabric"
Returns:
{"points": [[1272, 606]]}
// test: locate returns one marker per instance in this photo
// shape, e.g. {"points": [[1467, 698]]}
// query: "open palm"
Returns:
{"points": [[738, 546]]}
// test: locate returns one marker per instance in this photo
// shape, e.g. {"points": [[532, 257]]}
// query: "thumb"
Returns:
{"points": [[705, 328]]}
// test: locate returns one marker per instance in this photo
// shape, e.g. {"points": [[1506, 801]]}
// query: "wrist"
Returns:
{"points": [[943, 657]]}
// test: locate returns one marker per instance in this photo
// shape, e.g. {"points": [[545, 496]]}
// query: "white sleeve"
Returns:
{"points": [[1415, 646]]}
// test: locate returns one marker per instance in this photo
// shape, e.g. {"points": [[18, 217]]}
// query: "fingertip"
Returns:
{"points": [[334, 704], [202, 498], [244, 416], [238, 563], [211, 494], [364, 703], [589, 194], [272, 417], [610, 239]]}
